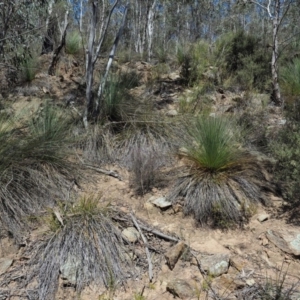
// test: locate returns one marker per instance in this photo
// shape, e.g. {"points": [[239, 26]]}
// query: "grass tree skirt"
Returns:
{"points": [[220, 181]]}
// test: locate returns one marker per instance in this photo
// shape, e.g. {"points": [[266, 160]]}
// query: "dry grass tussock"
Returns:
{"points": [[34, 168], [84, 242], [221, 182]]}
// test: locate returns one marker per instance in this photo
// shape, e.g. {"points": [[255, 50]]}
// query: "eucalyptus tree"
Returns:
{"points": [[277, 12], [101, 13]]}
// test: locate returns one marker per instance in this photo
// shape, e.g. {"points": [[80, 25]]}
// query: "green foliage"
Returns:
{"points": [[34, 167], [194, 60], [118, 102], [161, 54], [290, 76], [285, 148], [215, 144], [245, 60], [73, 43], [29, 68], [221, 181]]}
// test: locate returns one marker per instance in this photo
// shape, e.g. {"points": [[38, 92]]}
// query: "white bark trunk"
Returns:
{"points": [[274, 63], [110, 61], [150, 28]]}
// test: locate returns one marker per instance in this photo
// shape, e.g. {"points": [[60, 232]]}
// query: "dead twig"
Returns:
{"points": [[106, 172], [160, 234], [146, 248]]}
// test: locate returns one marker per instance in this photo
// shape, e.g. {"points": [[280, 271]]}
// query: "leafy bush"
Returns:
{"points": [[221, 181], [29, 68], [290, 76], [286, 151], [34, 167], [245, 59], [118, 102], [193, 59], [73, 43]]}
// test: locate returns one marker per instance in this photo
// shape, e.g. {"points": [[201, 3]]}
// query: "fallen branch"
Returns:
{"points": [[146, 248], [106, 172], [160, 234]]}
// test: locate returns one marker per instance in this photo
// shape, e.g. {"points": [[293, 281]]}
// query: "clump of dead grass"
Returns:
{"points": [[85, 240]]}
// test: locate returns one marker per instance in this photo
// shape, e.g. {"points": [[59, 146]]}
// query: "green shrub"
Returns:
{"points": [[73, 43], [34, 167], [245, 59], [194, 60], [29, 68], [221, 180], [290, 77], [286, 150], [118, 102]]}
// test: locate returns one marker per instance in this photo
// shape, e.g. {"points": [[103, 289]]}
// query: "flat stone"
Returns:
{"points": [[216, 264], [181, 289], [5, 263], [69, 269], [287, 240], [238, 263], [250, 282], [161, 202], [229, 282], [263, 217], [174, 253], [172, 113], [131, 234], [174, 76]]}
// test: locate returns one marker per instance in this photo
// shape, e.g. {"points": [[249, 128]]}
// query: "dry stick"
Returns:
{"points": [[145, 244], [106, 172], [160, 234]]}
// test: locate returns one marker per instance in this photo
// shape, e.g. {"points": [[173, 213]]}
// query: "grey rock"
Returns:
{"points": [[172, 113], [174, 253], [174, 76], [287, 240], [131, 234], [263, 217], [181, 289], [5, 263], [282, 122], [250, 282], [161, 202], [69, 269], [216, 264]]}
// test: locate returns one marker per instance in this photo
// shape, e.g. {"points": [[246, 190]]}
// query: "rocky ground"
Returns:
{"points": [[199, 262]]}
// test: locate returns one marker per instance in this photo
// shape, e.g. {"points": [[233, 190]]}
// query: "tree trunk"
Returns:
{"points": [[274, 64], [55, 58], [150, 27], [90, 65], [98, 102]]}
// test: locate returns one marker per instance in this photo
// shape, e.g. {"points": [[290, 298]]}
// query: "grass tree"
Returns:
{"points": [[84, 239], [34, 167], [220, 181]]}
